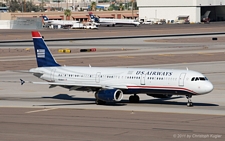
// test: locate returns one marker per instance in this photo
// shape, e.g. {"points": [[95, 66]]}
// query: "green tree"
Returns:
{"points": [[113, 7], [67, 13], [15, 6], [31, 7], [19, 6], [121, 6], [93, 6], [2, 4]]}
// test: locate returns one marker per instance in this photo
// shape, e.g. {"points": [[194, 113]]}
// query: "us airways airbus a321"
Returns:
{"points": [[109, 84]]}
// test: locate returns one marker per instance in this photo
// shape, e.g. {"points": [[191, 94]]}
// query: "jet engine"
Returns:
{"points": [[160, 95], [109, 95]]}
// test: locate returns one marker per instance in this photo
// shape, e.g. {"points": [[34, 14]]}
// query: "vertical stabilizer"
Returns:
{"points": [[93, 18], [206, 15], [43, 55], [45, 18]]}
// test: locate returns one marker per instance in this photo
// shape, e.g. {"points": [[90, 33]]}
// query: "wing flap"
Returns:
{"points": [[75, 84], [67, 84]]}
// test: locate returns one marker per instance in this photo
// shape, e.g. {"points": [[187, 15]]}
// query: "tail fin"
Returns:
{"points": [[43, 55], [45, 18], [93, 18], [206, 15]]}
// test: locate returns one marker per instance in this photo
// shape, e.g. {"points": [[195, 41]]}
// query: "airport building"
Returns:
{"points": [[171, 9]]}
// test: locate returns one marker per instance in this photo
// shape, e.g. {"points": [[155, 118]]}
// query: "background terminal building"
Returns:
{"points": [[171, 9]]}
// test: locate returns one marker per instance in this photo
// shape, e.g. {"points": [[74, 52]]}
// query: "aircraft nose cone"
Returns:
{"points": [[209, 87]]}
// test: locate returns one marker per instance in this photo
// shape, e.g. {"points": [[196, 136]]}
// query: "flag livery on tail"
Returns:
{"points": [[43, 55]]}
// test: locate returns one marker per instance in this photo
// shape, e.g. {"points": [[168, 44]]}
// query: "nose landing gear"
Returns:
{"points": [[189, 104]]}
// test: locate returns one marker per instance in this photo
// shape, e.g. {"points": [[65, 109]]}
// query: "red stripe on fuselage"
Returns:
{"points": [[162, 87], [35, 34]]}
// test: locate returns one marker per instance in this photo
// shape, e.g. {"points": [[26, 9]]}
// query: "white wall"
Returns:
{"points": [[164, 3], [209, 2], [170, 9], [5, 24], [170, 13]]}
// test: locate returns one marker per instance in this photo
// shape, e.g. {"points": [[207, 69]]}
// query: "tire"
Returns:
{"points": [[100, 102], [131, 99]]}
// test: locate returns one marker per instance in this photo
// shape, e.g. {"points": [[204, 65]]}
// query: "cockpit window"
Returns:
{"points": [[199, 79], [196, 79], [202, 78], [206, 78]]}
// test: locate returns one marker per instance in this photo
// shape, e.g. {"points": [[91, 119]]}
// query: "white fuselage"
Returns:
{"points": [[61, 22], [133, 80], [118, 21]]}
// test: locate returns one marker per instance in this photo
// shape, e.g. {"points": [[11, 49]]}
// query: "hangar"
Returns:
{"points": [[171, 9]]}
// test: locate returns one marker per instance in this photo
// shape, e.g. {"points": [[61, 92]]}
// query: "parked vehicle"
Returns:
{"points": [[148, 22], [90, 26], [182, 20], [78, 26]]}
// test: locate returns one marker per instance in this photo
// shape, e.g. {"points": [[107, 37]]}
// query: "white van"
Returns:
{"points": [[90, 26]]}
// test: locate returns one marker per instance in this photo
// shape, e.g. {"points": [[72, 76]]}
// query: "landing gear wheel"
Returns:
{"points": [[134, 99], [189, 104], [100, 102], [131, 99]]}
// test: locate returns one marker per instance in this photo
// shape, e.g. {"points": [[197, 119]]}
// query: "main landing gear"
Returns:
{"points": [[189, 104], [100, 102], [134, 98]]}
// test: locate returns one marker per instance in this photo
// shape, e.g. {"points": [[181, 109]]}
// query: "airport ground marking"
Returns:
{"points": [[201, 53], [126, 56], [165, 55], [42, 110]]}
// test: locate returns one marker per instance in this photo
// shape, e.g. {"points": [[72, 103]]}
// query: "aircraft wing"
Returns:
{"points": [[54, 84]]}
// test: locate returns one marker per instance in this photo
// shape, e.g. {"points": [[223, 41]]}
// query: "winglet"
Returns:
{"points": [[22, 81]]}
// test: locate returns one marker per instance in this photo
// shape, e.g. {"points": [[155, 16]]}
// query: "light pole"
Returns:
{"points": [[132, 9]]}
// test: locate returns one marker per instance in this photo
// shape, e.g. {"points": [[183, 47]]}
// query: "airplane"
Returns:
{"points": [[205, 17], [65, 23], [109, 84], [112, 22]]}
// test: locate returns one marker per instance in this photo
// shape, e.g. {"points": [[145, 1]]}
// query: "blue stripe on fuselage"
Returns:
{"points": [[157, 91]]}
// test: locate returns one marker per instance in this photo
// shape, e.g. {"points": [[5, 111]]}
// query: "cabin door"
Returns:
{"points": [[143, 79], [52, 75], [97, 78], [181, 79]]}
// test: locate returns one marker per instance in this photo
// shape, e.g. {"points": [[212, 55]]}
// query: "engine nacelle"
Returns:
{"points": [[160, 95], [110, 95]]}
